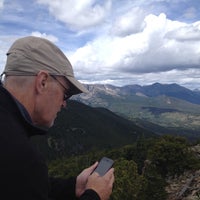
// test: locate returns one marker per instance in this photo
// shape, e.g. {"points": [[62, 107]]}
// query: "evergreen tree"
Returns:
{"points": [[171, 155], [127, 181]]}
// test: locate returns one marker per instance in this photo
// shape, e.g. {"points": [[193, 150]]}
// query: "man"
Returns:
{"points": [[38, 79]]}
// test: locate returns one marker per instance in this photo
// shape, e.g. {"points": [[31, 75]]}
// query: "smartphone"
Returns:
{"points": [[104, 165]]}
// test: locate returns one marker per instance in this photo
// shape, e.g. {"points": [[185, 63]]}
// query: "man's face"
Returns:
{"points": [[51, 102]]}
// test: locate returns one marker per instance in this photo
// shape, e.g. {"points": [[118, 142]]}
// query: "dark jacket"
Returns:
{"points": [[23, 171]]}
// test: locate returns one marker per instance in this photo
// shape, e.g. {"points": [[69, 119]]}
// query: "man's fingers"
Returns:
{"points": [[110, 173], [92, 168]]}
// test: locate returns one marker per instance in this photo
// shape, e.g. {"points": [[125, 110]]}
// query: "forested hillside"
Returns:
{"points": [[143, 170], [80, 128]]}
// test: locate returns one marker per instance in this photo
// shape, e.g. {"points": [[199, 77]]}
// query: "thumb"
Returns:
{"points": [[92, 167]]}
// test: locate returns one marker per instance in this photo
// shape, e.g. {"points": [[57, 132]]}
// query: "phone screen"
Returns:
{"points": [[104, 165]]}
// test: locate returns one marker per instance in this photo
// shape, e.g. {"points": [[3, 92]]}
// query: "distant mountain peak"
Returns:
{"points": [[154, 90]]}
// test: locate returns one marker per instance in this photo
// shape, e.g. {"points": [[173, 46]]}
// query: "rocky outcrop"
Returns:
{"points": [[186, 186]]}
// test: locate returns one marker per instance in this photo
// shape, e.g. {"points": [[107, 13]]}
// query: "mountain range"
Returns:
{"points": [[163, 108], [109, 117], [154, 90]]}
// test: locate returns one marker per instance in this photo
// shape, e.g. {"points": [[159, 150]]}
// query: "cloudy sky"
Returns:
{"points": [[117, 42]]}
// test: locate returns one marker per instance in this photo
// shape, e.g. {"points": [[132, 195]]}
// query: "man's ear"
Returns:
{"points": [[41, 81]]}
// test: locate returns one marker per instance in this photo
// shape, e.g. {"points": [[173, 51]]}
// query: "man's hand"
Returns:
{"points": [[101, 184], [82, 179]]}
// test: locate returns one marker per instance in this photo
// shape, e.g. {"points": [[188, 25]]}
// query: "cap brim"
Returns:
{"points": [[78, 87]]}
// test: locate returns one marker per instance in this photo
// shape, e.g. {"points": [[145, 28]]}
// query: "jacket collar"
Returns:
{"points": [[16, 108]]}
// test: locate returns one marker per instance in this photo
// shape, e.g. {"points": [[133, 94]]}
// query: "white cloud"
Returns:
{"points": [[44, 35], [161, 46], [129, 23], [187, 32], [78, 14]]}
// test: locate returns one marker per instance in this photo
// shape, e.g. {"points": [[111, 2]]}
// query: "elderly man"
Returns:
{"points": [[37, 81]]}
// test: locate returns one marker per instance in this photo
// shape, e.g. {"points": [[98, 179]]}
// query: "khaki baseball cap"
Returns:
{"points": [[29, 55]]}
